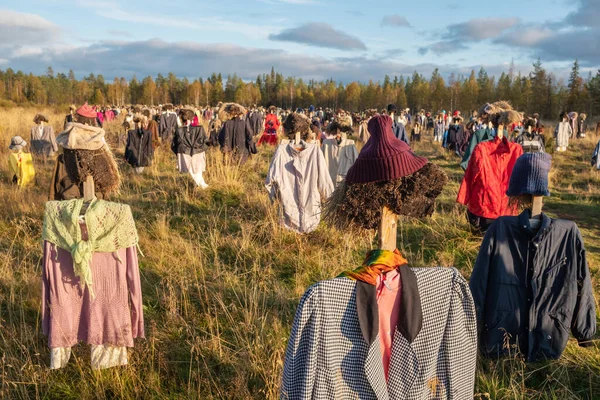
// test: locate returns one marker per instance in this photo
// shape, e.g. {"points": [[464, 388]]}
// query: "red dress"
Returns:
{"points": [[270, 134]]}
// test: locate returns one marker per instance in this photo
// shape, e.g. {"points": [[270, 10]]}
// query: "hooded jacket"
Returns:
{"points": [[532, 288]]}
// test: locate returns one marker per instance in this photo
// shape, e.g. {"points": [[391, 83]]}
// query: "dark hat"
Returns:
{"points": [[384, 156], [530, 175], [311, 108], [392, 108]]}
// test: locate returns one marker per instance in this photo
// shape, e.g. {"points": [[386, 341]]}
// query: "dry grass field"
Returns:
{"points": [[221, 280]]}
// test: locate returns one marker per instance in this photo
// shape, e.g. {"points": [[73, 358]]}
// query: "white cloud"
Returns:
{"points": [[23, 29], [320, 34]]}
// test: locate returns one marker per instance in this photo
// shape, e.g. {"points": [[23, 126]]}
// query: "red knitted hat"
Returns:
{"points": [[384, 157], [86, 111]]}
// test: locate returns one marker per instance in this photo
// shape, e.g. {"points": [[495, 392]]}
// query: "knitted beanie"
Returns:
{"points": [[530, 175], [384, 157]]}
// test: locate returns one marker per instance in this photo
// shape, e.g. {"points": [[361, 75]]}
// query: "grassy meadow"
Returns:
{"points": [[221, 279]]}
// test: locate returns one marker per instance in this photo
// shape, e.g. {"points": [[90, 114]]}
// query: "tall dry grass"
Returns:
{"points": [[221, 280]]}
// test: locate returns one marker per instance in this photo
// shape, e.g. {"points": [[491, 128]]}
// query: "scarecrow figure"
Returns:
{"points": [[236, 136], [43, 142], [394, 331], [20, 163], [84, 154]]}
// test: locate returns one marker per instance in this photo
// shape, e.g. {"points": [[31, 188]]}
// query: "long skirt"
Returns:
{"points": [[194, 165]]}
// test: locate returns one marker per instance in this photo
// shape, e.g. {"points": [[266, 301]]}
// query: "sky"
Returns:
{"points": [[310, 39]]}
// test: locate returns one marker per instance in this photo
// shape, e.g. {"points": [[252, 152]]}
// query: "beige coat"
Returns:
{"points": [[43, 143]]}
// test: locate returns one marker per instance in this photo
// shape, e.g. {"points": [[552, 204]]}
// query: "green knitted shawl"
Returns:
{"points": [[110, 228]]}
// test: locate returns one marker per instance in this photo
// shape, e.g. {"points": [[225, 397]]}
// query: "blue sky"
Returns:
{"points": [[350, 40]]}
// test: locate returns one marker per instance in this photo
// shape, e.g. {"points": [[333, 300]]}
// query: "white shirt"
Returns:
{"points": [[299, 179]]}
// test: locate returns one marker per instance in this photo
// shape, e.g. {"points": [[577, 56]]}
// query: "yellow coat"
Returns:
{"points": [[21, 166]]}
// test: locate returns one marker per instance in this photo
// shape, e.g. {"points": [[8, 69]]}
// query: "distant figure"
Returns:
{"points": [[69, 117], [562, 133], [43, 141], [20, 163]]}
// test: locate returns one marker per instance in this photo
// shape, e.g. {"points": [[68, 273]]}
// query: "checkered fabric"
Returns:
{"points": [[328, 358]]}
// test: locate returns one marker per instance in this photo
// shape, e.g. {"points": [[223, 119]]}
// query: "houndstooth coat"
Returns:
{"points": [[334, 352]]}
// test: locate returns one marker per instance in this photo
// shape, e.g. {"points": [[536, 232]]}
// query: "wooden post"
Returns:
{"points": [[88, 189], [536, 207], [500, 131], [388, 230]]}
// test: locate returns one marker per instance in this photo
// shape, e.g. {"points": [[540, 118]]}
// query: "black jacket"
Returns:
{"points": [[532, 288], [139, 151], [456, 137], [236, 136], [189, 140], [167, 126]]}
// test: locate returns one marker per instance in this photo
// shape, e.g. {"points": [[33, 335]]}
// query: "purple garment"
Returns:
{"points": [[70, 315]]}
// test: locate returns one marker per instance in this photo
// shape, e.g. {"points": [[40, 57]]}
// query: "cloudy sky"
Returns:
{"points": [[345, 40]]}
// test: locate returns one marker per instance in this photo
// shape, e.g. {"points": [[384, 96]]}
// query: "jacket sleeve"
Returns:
{"points": [[249, 133], [480, 275], [223, 137], [300, 367], [469, 151], [47, 284], [460, 341], [583, 324], [273, 176], [53, 140], [326, 186], [162, 125], [464, 193], [135, 294], [175, 142]]}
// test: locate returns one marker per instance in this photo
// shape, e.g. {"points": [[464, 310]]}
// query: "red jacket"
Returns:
{"points": [[483, 189], [272, 123]]}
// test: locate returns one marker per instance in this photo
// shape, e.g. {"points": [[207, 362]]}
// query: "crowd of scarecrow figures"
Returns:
{"points": [[382, 330]]}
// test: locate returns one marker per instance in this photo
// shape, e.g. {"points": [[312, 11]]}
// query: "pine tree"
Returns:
{"points": [[575, 87]]}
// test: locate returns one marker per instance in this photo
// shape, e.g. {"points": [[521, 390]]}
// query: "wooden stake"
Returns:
{"points": [[88, 189], [388, 230], [536, 206]]}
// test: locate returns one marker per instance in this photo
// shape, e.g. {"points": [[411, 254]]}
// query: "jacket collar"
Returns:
{"points": [[524, 223], [410, 320]]}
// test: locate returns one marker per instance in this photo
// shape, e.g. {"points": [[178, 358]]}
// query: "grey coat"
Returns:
{"points": [[44, 143], [334, 348]]}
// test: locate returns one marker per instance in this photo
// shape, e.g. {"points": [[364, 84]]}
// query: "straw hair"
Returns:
{"points": [[229, 111], [358, 206], [510, 117], [297, 123], [39, 118]]}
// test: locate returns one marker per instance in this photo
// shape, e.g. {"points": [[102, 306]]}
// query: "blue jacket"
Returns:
{"points": [[400, 132], [532, 287]]}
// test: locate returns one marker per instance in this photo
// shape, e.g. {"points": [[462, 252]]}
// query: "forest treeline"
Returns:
{"points": [[539, 91]]}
